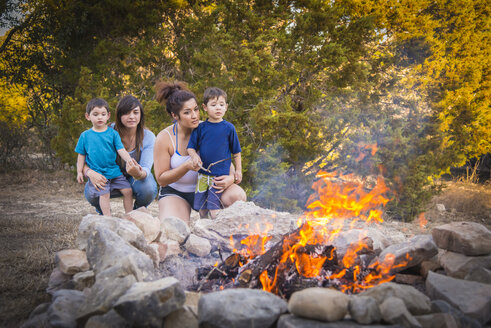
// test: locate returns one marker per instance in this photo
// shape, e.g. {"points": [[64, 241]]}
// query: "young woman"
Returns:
{"points": [[139, 142], [174, 169]]}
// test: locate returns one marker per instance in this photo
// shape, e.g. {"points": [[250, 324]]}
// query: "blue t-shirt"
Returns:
{"points": [[214, 142], [100, 150]]}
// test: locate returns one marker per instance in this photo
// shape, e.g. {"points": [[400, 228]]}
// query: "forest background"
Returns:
{"points": [[312, 84]]}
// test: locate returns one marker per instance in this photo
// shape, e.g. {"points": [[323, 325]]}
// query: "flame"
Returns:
{"points": [[422, 220]]}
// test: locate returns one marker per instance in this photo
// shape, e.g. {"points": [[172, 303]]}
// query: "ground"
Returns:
{"points": [[40, 213]]}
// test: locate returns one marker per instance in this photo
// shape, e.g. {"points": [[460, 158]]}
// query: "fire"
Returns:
{"points": [[422, 220]]}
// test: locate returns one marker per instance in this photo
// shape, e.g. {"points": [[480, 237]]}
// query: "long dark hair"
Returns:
{"points": [[126, 105], [174, 94]]}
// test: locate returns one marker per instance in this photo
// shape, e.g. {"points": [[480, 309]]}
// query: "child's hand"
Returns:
{"points": [[80, 177], [196, 160], [238, 177]]}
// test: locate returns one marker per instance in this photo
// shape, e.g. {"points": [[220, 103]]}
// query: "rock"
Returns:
{"points": [[152, 251], [410, 253], [244, 308], [123, 228], [71, 261], [437, 320], [458, 265], [172, 247], [480, 275], [371, 236], [147, 303], [105, 292], [322, 304], [58, 280], [216, 239], [472, 298], [38, 317], [149, 225], [182, 318], [430, 265], [192, 300], [110, 319], [292, 321], [184, 268], [106, 249], [440, 306], [440, 207], [394, 311], [197, 245], [84, 280], [468, 238], [364, 309], [408, 279], [415, 301], [174, 228], [64, 309]]}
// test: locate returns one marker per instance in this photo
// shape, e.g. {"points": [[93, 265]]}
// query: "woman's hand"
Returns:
{"points": [[223, 182], [134, 169], [98, 180], [192, 165]]}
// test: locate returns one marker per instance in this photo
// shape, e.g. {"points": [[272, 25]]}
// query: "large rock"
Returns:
{"points": [[174, 228], [464, 321], [182, 318], [437, 320], [199, 229], [123, 228], [364, 309], [106, 249], [472, 298], [102, 296], [292, 321], [145, 304], [410, 253], [322, 304], [71, 261], [149, 225], [239, 308], [394, 311], [58, 280], [84, 280], [110, 319], [415, 301], [469, 238], [480, 275], [64, 309], [458, 265], [370, 236], [197, 245]]}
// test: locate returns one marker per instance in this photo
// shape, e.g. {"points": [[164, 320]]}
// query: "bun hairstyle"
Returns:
{"points": [[174, 94]]}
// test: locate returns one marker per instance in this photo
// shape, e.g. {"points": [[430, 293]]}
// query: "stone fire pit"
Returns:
{"points": [[138, 271]]}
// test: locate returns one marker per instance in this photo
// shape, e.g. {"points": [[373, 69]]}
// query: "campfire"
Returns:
{"points": [[306, 257]]}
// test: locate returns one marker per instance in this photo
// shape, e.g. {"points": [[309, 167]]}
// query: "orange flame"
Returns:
{"points": [[422, 220]]}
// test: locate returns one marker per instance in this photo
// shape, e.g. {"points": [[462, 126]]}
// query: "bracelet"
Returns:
{"points": [[85, 172]]}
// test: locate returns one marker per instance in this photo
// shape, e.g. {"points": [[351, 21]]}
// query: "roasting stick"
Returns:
{"points": [[214, 163]]}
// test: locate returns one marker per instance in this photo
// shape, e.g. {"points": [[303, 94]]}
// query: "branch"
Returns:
{"points": [[14, 30]]}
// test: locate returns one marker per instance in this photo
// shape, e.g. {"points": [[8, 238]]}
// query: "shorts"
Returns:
{"points": [[116, 183], [169, 191], [206, 196]]}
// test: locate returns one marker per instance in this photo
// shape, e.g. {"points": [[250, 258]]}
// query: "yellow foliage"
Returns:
{"points": [[14, 104]]}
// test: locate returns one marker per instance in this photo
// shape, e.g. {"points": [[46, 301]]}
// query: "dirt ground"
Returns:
{"points": [[40, 213]]}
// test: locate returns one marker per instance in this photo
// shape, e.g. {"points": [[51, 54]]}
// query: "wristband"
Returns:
{"points": [[85, 172]]}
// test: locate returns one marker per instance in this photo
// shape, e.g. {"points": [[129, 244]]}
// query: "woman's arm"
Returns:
{"points": [[161, 155], [146, 156]]}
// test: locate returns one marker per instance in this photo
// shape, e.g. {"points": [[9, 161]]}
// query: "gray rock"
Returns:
{"points": [[182, 318], [480, 275], [292, 321], [410, 253], [440, 306], [199, 230], [472, 298], [106, 249], [64, 309], [38, 317], [469, 238], [174, 228], [145, 304], [102, 296], [123, 228], [437, 320], [394, 311], [84, 280], [58, 280], [244, 308], [322, 304], [71, 261], [197, 245], [457, 265], [110, 319], [192, 301], [415, 301], [364, 309], [184, 269]]}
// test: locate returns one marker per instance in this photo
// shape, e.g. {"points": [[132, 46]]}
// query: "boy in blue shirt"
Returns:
{"points": [[216, 140], [98, 147]]}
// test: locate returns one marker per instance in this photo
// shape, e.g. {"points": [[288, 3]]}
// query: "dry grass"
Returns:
{"points": [[41, 211]]}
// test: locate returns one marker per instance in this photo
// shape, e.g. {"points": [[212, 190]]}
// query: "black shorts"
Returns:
{"points": [[169, 191]]}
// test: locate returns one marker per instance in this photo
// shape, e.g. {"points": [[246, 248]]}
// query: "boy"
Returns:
{"points": [[98, 146], [216, 140]]}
